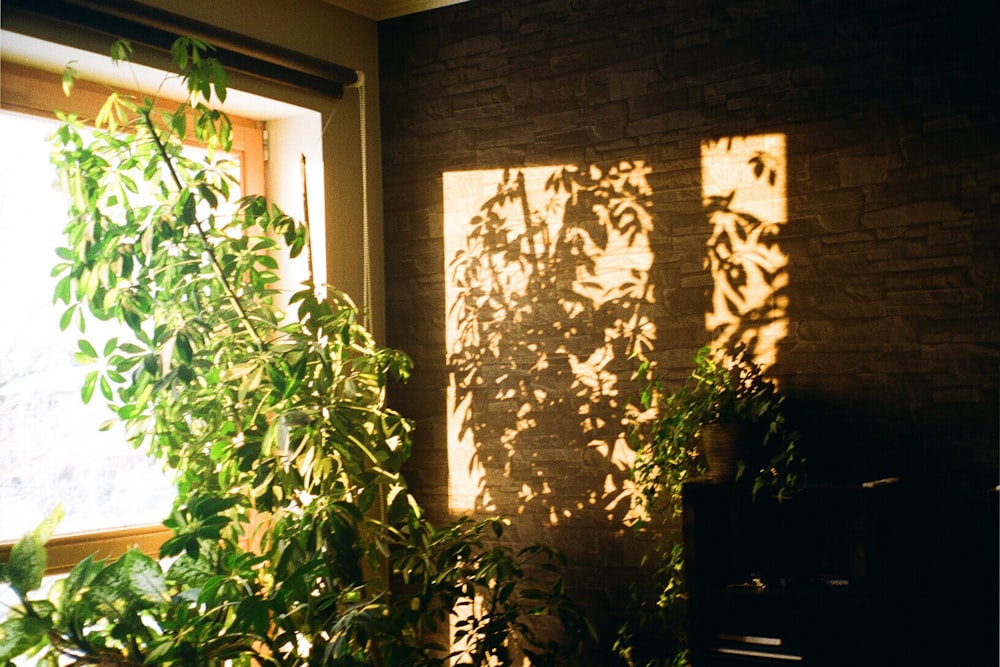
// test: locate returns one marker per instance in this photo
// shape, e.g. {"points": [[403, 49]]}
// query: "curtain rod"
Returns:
{"points": [[157, 29]]}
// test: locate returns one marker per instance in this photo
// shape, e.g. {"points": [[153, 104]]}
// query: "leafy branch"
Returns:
{"points": [[220, 273], [292, 527]]}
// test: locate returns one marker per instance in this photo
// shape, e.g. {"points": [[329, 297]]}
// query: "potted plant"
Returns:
{"points": [[295, 540], [728, 403], [729, 414]]}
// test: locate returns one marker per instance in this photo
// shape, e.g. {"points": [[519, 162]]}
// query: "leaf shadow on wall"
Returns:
{"points": [[743, 184], [548, 295]]}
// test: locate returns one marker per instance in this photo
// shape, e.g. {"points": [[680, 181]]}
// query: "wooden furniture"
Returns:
{"points": [[810, 581]]}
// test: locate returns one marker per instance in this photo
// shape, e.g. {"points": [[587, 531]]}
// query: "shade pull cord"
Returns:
{"points": [[366, 260]]}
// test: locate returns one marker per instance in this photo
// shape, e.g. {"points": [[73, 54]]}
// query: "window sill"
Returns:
{"points": [[65, 551]]}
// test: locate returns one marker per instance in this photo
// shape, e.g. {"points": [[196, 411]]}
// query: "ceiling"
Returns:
{"points": [[387, 9]]}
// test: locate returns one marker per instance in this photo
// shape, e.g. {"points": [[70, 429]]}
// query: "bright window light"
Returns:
{"points": [[51, 449]]}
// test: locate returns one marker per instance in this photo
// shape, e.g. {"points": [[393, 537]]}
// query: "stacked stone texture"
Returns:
{"points": [[890, 111]]}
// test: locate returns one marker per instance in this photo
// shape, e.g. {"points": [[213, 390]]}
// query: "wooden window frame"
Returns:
{"points": [[32, 91], [24, 89]]}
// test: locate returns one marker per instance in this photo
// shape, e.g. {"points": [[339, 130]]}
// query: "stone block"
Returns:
{"points": [[907, 215]]}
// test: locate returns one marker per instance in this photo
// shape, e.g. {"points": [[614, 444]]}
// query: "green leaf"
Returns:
{"points": [[253, 613], [160, 654], [27, 563], [268, 261], [145, 578], [106, 388], [107, 117], [63, 290], [179, 52], [206, 193], [47, 528], [108, 590], [121, 49], [219, 76], [78, 578], [207, 506], [110, 346], [183, 347], [178, 123], [28, 558], [69, 77], [180, 544], [89, 384], [67, 318], [19, 634], [250, 382], [86, 349]]}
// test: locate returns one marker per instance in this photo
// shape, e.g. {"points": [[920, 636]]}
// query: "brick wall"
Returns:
{"points": [[892, 162]]}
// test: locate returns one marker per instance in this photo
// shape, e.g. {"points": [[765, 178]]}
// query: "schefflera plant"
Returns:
{"points": [[295, 541]]}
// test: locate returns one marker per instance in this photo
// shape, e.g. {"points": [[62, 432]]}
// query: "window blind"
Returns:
{"points": [[157, 29]]}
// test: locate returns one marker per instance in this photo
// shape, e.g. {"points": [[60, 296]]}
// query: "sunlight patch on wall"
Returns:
{"points": [[744, 194], [547, 286]]}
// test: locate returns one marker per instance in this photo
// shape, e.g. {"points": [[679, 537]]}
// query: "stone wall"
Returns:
{"points": [[888, 347]]}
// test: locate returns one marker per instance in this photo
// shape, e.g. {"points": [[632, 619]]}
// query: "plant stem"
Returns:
{"points": [[216, 266]]}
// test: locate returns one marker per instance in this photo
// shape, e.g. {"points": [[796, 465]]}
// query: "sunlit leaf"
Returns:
{"points": [[121, 49], [18, 634], [69, 77], [87, 350], [106, 388], [145, 578], [26, 565], [89, 384]]}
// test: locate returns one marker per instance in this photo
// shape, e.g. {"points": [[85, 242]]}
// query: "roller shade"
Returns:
{"points": [[157, 29]]}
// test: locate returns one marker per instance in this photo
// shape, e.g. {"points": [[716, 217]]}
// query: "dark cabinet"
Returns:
{"points": [[810, 581]]}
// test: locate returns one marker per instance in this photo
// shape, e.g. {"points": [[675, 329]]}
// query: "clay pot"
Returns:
{"points": [[724, 446]]}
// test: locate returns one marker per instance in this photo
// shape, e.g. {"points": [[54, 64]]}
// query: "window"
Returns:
{"points": [[51, 448]]}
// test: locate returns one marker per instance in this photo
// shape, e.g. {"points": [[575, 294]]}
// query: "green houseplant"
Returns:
{"points": [[668, 432], [726, 391], [295, 541]]}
